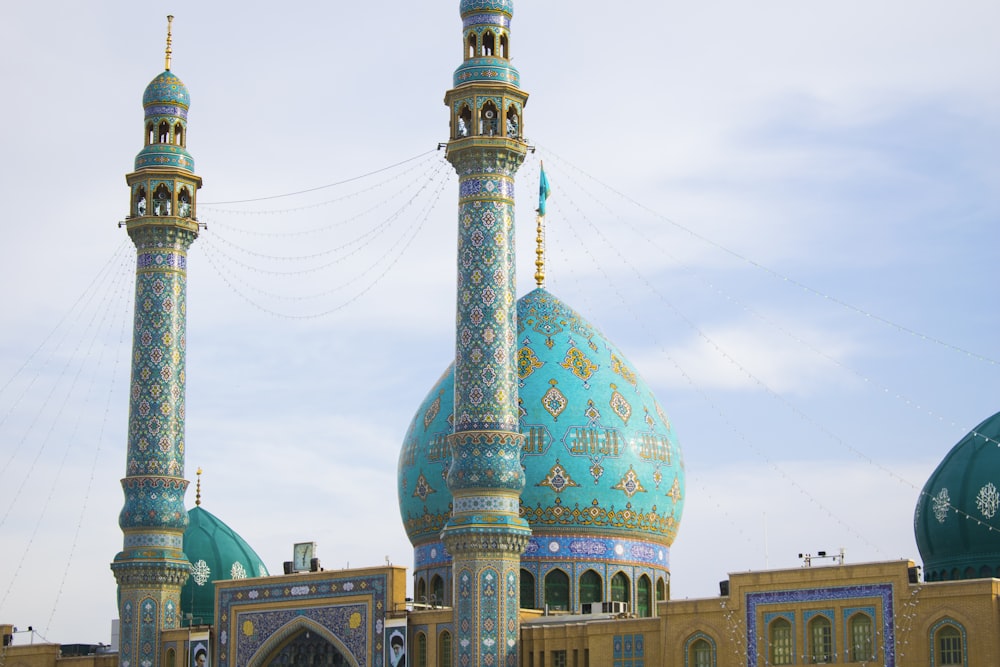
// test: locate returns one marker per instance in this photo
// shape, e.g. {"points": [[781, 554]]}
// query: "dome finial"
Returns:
{"points": [[197, 492], [170, 20], [543, 194]]}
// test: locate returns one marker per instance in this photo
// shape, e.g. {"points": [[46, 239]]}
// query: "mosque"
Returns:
{"points": [[540, 482]]}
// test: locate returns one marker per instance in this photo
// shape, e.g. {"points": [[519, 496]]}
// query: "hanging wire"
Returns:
{"points": [[320, 187]]}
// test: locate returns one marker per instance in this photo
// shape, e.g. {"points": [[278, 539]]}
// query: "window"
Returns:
{"points": [[444, 649], [701, 654], [591, 587], [527, 590], [620, 588], [644, 602], [488, 42], [557, 590], [558, 658], [471, 53], [421, 649], [949, 646], [661, 589], [437, 590], [421, 590], [164, 133], [820, 641], [859, 630], [780, 642], [171, 660]]}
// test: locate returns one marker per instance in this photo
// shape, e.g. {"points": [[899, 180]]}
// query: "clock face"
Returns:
{"points": [[303, 554]]}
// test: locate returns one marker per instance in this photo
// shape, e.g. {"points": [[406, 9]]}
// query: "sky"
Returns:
{"points": [[784, 214]]}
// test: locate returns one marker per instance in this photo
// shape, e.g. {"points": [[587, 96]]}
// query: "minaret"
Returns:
{"points": [[152, 567], [485, 536]]}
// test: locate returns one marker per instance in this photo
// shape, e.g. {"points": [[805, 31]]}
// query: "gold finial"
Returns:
{"points": [[197, 493], [170, 20], [543, 194], [540, 252]]}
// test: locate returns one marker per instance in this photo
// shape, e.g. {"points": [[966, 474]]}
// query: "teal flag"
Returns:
{"points": [[543, 191]]}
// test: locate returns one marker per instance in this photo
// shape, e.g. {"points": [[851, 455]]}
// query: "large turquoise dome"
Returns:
{"points": [[956, 522], [605, 479], [217, 553]]}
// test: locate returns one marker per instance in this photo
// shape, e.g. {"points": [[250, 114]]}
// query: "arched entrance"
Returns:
{"points": [[303, 642]]}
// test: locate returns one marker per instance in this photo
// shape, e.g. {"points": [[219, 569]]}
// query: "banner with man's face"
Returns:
{"points": [[395, 646], [199, 654]]}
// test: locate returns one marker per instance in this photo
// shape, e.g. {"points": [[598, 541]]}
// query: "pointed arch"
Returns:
{"points": [[644, 597], [140, 204], [661, 589], [621, 588], [780, 647], [444, 649], [162, 200], [463, 124], [149, 133], [557, 590], [591, 587], [861, 637], [820, 632], [470, 51], [421, 592], [184, 202], [700, 650], [437, 590], [179, 134], [504, 46], [288, 632], [489, 123], [512, 126], [527, 589], [489, 43], [948, 643], [163, 133]]}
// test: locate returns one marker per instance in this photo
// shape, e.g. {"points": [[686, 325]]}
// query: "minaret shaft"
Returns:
{"points": [[151, 567], [485, 535]]}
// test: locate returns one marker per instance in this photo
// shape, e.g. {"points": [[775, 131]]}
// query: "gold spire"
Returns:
{"points": [[197, 493], [540, 251], [170, 20]]}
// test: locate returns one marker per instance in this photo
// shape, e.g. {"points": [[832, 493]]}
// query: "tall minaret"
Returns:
{"points": [[152, 567], [485, 536]]}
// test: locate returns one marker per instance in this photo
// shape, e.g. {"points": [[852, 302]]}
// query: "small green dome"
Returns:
{"points": [[166, 88], [216, 553], [956, 522]]}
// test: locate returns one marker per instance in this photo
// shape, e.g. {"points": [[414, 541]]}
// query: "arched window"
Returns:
{"points": [[463, 125], [859, 632], [420, 649], [504, 47], [820, 641], [171, 659], [948, 645], [779, 642], [488, 43], [161, 200], [471, 50], [489, 124], [164, 132], [513, 124], [700, 654], [444, 649], [437, 589], [527, 590], [557, 590], [644, 591], [179, 134], [184, 203], [149, 133], [661, 589], [620, 588], [591, 587], [421, 590], [140, 201]]}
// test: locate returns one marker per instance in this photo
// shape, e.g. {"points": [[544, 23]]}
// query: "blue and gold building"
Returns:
{"points": [[540, 481]]}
